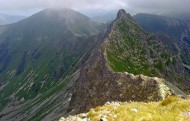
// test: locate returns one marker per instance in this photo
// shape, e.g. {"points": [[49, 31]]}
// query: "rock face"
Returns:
{"points": [[104, 77], [121, 13], [98, 84]]}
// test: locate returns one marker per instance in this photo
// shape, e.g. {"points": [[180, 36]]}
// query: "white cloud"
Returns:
{"points": [[163, 5], [76, 4], [91, 5]]}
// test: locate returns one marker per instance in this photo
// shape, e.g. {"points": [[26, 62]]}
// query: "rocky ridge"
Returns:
{"points": [[101, 80]]}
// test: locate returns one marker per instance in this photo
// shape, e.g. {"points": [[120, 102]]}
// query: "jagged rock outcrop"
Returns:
{"points": [[101, 80], [98, 84]]}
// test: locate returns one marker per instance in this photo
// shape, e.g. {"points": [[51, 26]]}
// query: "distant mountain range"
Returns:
{"points": [[180, 15], [174, 27], [59, 62], [178, 30], [8, 19]]}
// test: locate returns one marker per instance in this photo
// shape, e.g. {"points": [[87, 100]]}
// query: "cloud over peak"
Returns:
{"points": [[136, 5]]}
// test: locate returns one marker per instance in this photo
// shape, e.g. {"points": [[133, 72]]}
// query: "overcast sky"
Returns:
{"points": [[150, 6]]}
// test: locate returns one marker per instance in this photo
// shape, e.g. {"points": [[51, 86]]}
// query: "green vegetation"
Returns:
{"points": [[185, 57], [127, 52], [169, 100], [170, 109], [159, 64], [130, 49], [45, 51]]}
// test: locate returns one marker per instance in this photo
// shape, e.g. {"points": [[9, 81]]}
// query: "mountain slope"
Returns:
{"points": [[126, 50], [56, 63], [37, 60], [174, 35]]}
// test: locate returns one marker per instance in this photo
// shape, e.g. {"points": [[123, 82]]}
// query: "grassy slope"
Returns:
{"points": [[175, 28], [61, 53], [172, 108], [169, 109], [130, 49], [126, 51]]}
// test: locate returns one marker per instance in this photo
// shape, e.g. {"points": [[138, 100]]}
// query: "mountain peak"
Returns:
{"points": [[121, 13]]}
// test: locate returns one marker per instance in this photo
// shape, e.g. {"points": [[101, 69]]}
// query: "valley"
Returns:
{"points": [[59, 62]]}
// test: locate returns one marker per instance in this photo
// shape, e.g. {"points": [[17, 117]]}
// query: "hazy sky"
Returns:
{"points": [[29, 6]]}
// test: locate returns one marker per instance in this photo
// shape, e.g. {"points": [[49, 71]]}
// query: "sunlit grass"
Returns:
{"points": [[170, 109]]}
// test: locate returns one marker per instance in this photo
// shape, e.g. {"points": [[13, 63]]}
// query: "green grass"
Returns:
{"points": [[126, 52], [170, 109], [131, 50], [159, 64]]}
